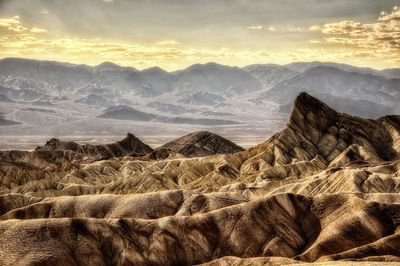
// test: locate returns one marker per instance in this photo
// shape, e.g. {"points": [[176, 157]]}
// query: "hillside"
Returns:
{"points": [[202, 143], [325, 188]]}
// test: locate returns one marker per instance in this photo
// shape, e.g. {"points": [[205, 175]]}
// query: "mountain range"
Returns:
{"points": [[107, 98], [324, 189]]}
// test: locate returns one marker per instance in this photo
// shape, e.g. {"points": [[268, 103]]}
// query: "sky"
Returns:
{"points": [[174, 34]]}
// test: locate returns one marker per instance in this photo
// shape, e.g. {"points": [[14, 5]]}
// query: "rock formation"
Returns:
{"points": [[130, 144], [325, 188], [202, 143]]}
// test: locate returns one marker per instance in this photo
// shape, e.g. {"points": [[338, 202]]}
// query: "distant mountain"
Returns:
{"points": [[110, 67], [151, 82], [64, 74], [170, 108], [201, 143], [122, 112], [304, 66], [200, 121], [5, 99], [269, 75], [393, 73], [216, 79], [192, 94], [93, 99], [332, 81], [211, 113], [202, 98], [19, 94], [61, 78], [128, 113]]}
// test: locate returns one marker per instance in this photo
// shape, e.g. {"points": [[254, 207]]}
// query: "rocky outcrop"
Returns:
{"points": [[130, 144], [13, 155], [202, 143]]}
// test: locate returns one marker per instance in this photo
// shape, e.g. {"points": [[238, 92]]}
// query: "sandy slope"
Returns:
{"points": [[323, 189]]}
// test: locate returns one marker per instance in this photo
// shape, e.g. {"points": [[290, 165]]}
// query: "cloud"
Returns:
{"points": [[38, 30], [281, 29], [11, 25], [167, 43], [256, 27], [315, 28], [375, 44], [379, 38]]}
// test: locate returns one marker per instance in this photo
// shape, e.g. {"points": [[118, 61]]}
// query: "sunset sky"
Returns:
{"points": [[173, 34]]}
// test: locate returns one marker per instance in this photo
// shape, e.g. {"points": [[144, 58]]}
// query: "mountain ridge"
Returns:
{"points": [[324, 189], [306, 64], [196, 99]]}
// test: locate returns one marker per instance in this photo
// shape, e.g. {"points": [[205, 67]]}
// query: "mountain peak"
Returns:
{"points": [[130, 136], [133, 144], [153, 70], [107, 65], [202, 143], [308, 109], [309, 103], [110, 66]]}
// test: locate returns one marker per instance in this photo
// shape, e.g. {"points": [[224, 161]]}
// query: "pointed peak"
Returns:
{"points": [[53, 140], [201, 143], [130, 136], [307, 103], [310, 110], [51, 144], [133, 144]]}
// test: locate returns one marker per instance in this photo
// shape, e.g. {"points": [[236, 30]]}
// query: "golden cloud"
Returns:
{"points": [[383, 34], [11, 26], [18, 39], [256, 27], [167, 43], [370, 41]]}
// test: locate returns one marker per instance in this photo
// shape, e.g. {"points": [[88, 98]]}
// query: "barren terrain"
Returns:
{"points": [[324, 189]]}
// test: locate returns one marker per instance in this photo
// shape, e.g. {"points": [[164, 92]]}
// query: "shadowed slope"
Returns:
{"points": [[286, 225], [202, 143]]}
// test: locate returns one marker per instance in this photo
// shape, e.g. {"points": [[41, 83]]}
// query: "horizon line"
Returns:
{"points": [[190, 65]]}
